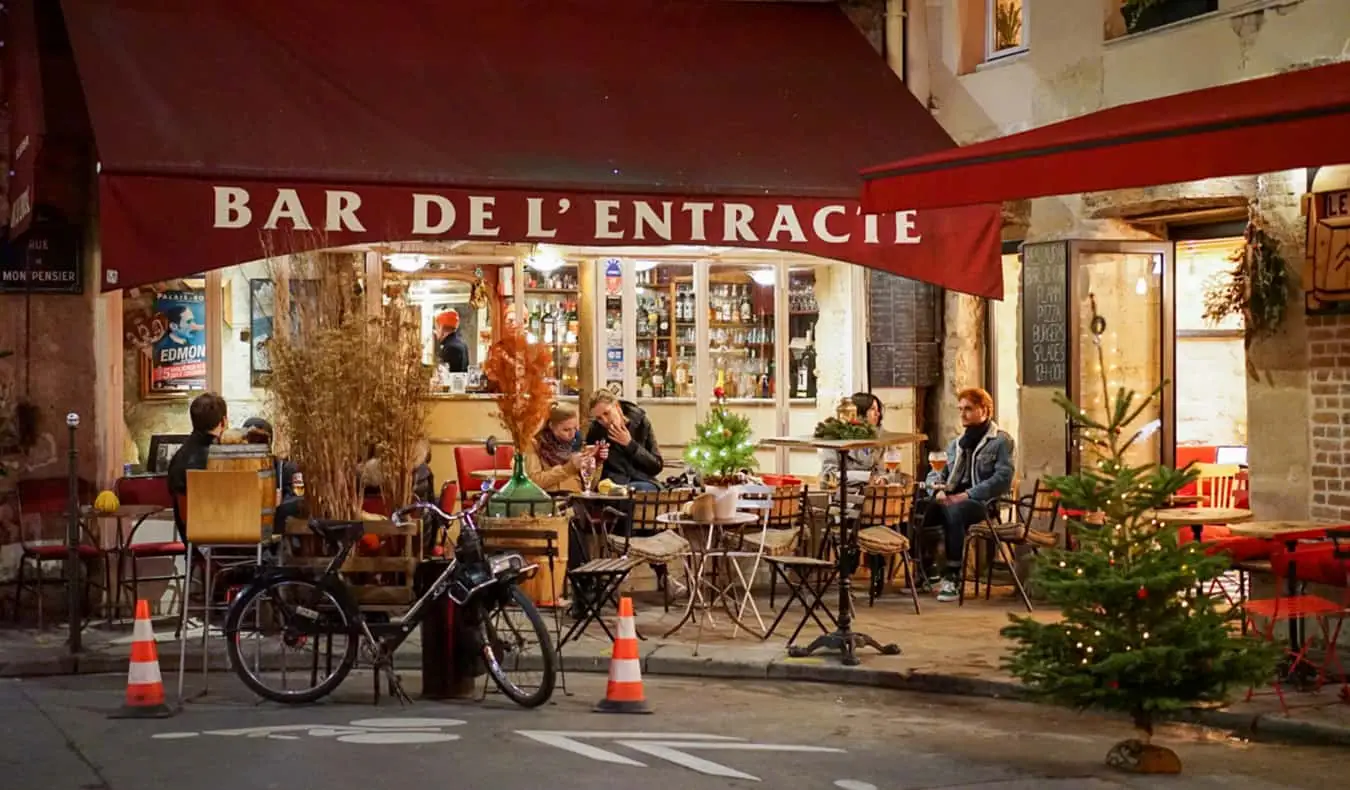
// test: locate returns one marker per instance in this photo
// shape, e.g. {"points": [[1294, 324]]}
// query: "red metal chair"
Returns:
{"points": [[47, 499], [145, 491], [1314, 562], [472, 458]]}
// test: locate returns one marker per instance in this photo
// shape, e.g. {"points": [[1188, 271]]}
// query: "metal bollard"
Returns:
{"points": [[74, 568]]}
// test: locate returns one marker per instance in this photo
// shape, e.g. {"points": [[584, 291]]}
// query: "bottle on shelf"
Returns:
{"points": [[658, 378], [747, 309], [682, 383]]}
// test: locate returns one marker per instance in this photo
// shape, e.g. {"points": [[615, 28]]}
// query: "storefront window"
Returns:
{"points": [[1211, 377], [551, 299], [803, 320], [741, 330], [666, 329]]}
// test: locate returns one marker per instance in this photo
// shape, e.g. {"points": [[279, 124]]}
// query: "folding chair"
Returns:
{"points": [[809, 575], [1034, 517], [596, 582]]}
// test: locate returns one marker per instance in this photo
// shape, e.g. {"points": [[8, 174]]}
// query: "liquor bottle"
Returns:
{"points": [[645, 387], [809, 366], [682, 377], [548, 324], [658, 378], [663, 309], [536, 321], [747, 309]]}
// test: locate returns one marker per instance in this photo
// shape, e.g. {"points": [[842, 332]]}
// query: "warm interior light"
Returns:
{"points": [[545, 259], [762, 276], [407, 262], [644, 266], [1141, 286]]}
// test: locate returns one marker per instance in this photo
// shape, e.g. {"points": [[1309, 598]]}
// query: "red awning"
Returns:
{"points": [[564, 121], [1297, 119], [23, 94]]}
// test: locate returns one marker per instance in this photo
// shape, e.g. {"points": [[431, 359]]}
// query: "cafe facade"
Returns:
{"points": [[667, 231]]}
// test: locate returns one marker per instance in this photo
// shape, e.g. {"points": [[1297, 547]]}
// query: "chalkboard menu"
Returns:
{"points": [[903, 348], [1045, 315]]}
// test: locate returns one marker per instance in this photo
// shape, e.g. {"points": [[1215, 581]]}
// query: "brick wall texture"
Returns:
{"points": [[1329, 388]]}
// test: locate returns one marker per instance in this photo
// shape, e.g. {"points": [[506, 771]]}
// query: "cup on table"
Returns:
{"points": [[937, 460]]}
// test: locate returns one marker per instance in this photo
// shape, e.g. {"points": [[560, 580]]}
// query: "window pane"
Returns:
{"points": [[551, 318], [665, 329], [1007, 24], [803, 315], [741, 330]]}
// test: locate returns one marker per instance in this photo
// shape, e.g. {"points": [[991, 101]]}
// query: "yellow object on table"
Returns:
{"points": [[106, 503]]}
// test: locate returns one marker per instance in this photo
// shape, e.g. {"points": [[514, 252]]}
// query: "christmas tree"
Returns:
{"points": [[1135, 635], [722, 446]]}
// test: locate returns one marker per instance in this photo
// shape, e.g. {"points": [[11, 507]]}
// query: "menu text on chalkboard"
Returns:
{"points": [[902, 323], [1045, 314]]}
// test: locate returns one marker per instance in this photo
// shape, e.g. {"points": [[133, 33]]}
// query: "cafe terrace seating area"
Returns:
{"points": [[765, 579]]}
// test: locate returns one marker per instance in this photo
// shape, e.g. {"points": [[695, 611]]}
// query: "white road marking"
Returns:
{"points": [[665, 746], [853, 784], [366, 731], [398, 737]]}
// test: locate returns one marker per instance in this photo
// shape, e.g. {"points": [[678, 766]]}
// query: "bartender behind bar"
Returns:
{"points": [[450, 347]]}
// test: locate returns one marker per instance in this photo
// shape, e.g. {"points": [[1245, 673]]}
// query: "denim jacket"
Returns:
{"points": [[991, 469]]}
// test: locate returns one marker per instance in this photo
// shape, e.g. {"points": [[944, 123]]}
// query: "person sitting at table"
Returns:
{"points": [[866, 465], [979, 470], [553, 462], [627, 442]]}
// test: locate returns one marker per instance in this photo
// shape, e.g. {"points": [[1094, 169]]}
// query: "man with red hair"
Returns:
{"points": [[979, 470], [451, 349]]}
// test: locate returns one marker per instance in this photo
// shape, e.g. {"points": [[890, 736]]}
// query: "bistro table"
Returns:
{"points": [[124, 513], [682, 522], [1197, 517], [845, 639], [1289, 533]]}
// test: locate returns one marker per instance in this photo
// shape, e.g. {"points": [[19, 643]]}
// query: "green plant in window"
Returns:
{"points": [[1007, 24], [1132, 10], [1256, 289]]}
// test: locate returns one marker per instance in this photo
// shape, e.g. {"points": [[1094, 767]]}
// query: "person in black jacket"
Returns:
{"points": [[627, 442], [209, 415], [451, 349]]}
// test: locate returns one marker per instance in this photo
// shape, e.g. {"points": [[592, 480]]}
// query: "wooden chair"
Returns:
{"points": [[1031, 522], [649, 540], [884, 516], [1219, 484]]}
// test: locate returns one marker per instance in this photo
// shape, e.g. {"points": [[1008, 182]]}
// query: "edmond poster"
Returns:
{"points": [[178, 360]]}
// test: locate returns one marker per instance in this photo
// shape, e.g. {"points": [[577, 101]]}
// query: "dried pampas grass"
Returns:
{"points": [[343, 381], [519, 370]]}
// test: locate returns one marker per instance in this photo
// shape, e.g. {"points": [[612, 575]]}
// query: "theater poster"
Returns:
{"points": [[177, 363]]}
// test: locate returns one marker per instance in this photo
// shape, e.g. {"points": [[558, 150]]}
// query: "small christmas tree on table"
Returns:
{"points": [[722, 446], [1135, 635]]}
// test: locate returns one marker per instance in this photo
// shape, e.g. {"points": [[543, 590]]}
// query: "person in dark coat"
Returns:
{"points": [[451, 349], [209, 415], [627, 442]]}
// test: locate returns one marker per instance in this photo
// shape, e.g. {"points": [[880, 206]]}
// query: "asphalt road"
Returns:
{"points": [[55, 735]]}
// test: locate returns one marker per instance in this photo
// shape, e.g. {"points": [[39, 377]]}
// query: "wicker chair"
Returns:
{"points": [[1028, 521], [649, 540]]}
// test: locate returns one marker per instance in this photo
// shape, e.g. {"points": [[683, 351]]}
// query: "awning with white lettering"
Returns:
{"points": [[221, 123]]}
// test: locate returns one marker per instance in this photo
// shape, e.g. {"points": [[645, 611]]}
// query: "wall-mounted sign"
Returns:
{"points": [[46, 260], [1326, 266], [177, 361]]}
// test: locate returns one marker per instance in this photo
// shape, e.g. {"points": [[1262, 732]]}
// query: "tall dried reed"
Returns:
{"points": [[519, 371], [343, 381]]}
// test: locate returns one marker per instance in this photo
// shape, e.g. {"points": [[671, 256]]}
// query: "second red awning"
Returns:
{"points": [[334, 122], [1296, 119]]}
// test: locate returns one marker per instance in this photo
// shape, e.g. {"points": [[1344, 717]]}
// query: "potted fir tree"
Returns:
{"points": [[1136, 636], [721, 452]]}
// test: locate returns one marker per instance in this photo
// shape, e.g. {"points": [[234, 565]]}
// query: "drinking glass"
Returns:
{"points": [[586, 468], [937, 460]]}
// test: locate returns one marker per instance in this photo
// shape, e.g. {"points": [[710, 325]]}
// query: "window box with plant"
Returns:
{"points": [[1005, 28], [1141, 15]]}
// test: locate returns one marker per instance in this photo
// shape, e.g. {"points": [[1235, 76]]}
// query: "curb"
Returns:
{"points": [[657, 662]]}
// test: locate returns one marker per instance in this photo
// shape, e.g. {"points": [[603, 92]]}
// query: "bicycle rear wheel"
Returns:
{"points": [[280, 619], [512, 633]]}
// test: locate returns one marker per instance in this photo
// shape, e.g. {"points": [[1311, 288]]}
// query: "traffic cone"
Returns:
{"points": [[145, 687], [624, 694]]}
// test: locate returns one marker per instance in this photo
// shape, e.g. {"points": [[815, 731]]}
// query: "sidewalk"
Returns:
{"points": [[948, 649]]}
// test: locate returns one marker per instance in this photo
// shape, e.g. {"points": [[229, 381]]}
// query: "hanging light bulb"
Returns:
{"points": [[407, 262], [545, 259]]}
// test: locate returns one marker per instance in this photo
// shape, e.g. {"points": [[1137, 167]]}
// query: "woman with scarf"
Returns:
{"points": [[979, 470], [554, 463], [864, 466]]}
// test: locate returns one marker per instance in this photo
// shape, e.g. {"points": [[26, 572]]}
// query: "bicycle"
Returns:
{"points": [[480, 586]]}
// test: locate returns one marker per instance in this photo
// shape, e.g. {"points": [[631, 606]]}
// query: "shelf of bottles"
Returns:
{"points": [[665, 330], [551, 318], [741, 331], [803, 314]]}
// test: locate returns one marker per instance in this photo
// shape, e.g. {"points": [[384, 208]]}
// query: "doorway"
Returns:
{"points": [[1133, 286]]}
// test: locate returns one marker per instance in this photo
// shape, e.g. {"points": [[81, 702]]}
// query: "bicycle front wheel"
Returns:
{"points": [[291, 641], [516, 648]]}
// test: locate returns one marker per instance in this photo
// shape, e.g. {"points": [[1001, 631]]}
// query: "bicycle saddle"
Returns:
{"points": [[337, 530]]}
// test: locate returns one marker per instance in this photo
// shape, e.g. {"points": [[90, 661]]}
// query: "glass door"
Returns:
{"points": [[1132, 284]]}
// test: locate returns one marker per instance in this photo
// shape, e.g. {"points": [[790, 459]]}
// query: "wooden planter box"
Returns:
{"points": [[381, 580]]}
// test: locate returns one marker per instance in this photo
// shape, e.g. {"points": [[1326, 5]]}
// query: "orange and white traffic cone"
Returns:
{"points": [[624, 694], [145, 687]]}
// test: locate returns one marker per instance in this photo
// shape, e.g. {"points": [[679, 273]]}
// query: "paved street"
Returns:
{"points": [[54, 735]]}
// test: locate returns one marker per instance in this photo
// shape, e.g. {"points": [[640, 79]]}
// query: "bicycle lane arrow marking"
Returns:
{"points": [[665, 746], [670, 751], [568, 741]]}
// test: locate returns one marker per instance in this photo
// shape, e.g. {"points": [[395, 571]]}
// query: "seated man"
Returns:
{"points": [[628, 446], [208, 413], [979, 470]]}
